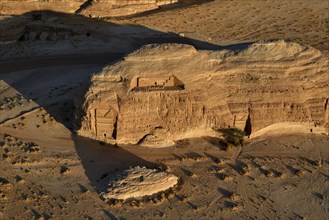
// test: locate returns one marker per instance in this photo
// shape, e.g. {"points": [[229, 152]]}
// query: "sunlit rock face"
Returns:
{"points": [[97, 8], [163, 93], [17, 7], [138, 182]]}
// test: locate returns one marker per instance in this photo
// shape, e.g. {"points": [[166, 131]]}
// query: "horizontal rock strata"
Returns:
{"points": [[171, 91]]}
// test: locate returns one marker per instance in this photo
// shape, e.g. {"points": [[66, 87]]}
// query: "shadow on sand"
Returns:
{"points": [[100, 160]]}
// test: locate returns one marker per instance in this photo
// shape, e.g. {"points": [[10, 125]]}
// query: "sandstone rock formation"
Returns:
{"points": [[163, 93], [101, 8], [16, 7], [114, 8], [25, 28], [138, 182]]}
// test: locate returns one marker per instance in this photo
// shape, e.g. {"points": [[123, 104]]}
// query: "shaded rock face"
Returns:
{"points": [[276, 83], [99, 8]]}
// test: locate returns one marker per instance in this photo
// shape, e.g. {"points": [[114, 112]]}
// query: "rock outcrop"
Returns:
{"points": [[114, 8], [163, 93], [97, 8], [138, 182], [17, 7]]}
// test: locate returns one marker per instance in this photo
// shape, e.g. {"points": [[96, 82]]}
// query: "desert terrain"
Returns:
{"points": [[50, 51]]}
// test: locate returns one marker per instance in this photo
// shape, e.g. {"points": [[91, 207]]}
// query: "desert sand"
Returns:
{"points": [[48, 171]]}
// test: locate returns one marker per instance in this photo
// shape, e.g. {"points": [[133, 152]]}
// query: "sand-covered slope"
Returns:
{"points": [[279, 83], [227, 22]]}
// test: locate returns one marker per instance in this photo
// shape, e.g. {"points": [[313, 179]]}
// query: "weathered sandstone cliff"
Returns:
{"points": [[163, 93]]}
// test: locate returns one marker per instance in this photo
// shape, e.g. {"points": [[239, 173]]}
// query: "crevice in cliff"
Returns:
{"points": [[247, 128], [84, 6], [114, 134], [326, 111]]}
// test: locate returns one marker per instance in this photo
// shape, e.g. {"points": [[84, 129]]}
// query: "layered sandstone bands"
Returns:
{"points": [[17, 7], [97, 8], [268, 84]]}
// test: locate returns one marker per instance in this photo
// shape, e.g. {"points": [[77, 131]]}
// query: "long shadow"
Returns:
{"points": [[100, 160], [97, 160]]}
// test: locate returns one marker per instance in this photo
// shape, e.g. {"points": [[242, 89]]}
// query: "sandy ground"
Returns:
{"points": [[48, 172], [226, 22]]}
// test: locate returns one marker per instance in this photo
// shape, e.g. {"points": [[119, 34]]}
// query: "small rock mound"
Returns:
{"points": [[138, 182], [273, 51]]}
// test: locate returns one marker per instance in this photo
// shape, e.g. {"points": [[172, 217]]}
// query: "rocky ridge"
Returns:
{"points": [[268, 84], [92, 8]]}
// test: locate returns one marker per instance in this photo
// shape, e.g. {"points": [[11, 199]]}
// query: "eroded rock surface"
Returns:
{"points": [[138, 182], [99, 8], [170, 92]]}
